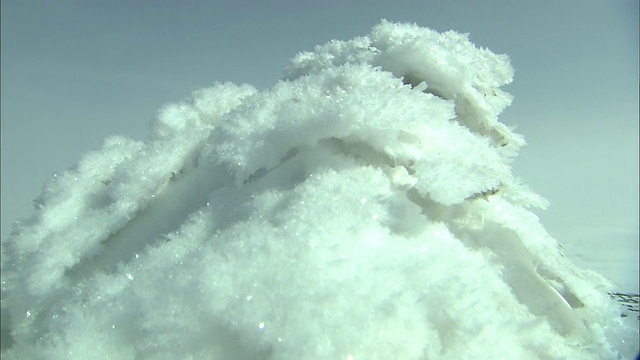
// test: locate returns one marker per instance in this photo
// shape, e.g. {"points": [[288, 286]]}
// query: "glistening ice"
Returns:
{"points": [[362, 208]]}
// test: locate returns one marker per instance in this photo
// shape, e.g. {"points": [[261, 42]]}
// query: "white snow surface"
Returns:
{"points": [[362, 208]]}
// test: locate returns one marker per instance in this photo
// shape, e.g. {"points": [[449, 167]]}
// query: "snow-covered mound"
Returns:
{"points": [[362, 208]]}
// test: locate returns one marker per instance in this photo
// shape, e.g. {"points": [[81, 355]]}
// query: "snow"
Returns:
{"points": [[363, 207]]}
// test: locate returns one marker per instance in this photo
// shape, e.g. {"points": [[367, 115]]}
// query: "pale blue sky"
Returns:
{"points": [[74, 72]]}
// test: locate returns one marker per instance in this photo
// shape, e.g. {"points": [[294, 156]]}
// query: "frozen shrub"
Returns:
{"points": [[362, 208]]}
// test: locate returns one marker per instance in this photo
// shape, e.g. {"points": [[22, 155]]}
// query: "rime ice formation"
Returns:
{"points": [[362, 208]]}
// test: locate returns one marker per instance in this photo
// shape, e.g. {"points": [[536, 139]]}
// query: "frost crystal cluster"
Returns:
{"points": [[362, 208]]}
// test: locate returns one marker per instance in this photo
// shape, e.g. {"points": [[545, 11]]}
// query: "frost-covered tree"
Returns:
{"points": [[362, 208]]}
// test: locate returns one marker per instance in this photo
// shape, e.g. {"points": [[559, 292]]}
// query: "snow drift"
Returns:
{"points": [[363, 207]]}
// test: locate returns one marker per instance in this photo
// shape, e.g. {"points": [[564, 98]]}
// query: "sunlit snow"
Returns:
{"points": [[362, 208]]}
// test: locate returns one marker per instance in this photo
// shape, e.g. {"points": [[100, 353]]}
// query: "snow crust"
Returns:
{"points": [[363, 207]]}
